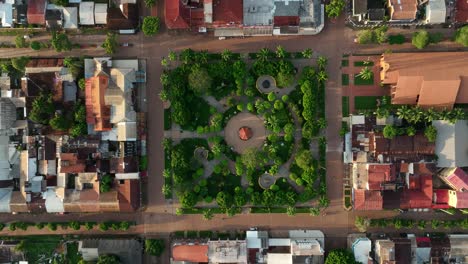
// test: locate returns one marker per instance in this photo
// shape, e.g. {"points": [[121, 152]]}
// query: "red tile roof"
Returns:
{"points": [[36, 12], [286, 20], [379, 173], [97, 112], [190, 253], [367, 200], [227, 11], [461, 13], [69, 163], [458, 179], [421, 198], [176, 14], [440, 199], [458, 199], [129, 195]]}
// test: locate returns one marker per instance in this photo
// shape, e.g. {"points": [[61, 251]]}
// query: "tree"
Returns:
{"points": [[252, 157], [307, 53], [461, 36], [60, 122], [361, 223], [403, 112], [366, 73], [291, 211], [324, 201], [188, 199], [390, 131], [314, 211], [20, 42], [60, 42], [322, 61], [208, 214], [280, 52], [172, 56], [82, 84], [226, 55], [150, 3], [108, 259], [271, 96], [411, 131], [224, 200], [199, 80], [75, 225], [110, 43], [60, 2], [263, 54], [154, 247], [150, 25], [164, 62], [420, 39], [334, 8], [43, 109], [19, 63], [322, 76], [106, 183], [430, 133], [340, 256], [304, 159]]}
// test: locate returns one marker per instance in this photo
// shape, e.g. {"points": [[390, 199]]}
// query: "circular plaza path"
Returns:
{"points": [[244, 119]]}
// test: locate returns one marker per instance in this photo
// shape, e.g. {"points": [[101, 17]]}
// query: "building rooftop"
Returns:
{"points": [[451, 143], [367, 200], [36, 12], [86, 13], [190, 253], [227, 251], [403, 9]]}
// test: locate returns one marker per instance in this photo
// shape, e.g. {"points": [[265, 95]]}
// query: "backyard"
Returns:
{"points": [[246, 131]]}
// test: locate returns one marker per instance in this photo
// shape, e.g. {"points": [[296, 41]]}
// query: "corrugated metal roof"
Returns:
{"points": [[87, 13]]}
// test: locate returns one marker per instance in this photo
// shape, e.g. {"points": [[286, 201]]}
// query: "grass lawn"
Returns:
{"points": [[366, 102], [39, 247], [277, 210], [167, 119], [344, 63], [358, 80], [215, 210], [363, 63], [345, 105], [344, 79]]}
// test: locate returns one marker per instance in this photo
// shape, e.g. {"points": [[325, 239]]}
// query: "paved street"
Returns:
{"points": [[159, 217]]}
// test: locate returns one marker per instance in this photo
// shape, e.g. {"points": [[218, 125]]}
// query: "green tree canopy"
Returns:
{"points": [[461, 36], [431, 133], [150, 25], [60, 122], [199, 80], [19, 63], [252, 158], [154, 247], [42, 109], [106, 183], [334, 8], [340, 256], [390, 131], [420, 39], [60, 42], [36, 45], [110, 43], [304, 159], [150, 3], [108, 259]]}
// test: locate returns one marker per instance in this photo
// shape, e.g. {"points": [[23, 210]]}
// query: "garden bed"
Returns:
{"points": [[358, 80], [366, 102]]}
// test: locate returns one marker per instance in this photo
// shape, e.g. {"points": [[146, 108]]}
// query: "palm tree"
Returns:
{"points": [[307, 53], [322, 123], [172, 56], [322, 62], [166, 189], [203, 56], [416, 115], [314, 211], [187, 56], [164, 62], [456, 114], [403, 112], [263, 54], [366, 73], [164, 79], [322, 76], [431, 115], [280, 52], [324, 201], [226, 55]]}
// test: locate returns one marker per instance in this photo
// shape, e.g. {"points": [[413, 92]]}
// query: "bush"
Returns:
{"points": [[36, 45], [431, 133], [154, 247], [12, 227], [2, 226], [124, 225], [82, 84], [20, 42], [396, 39], [104, 226], [74, 225], [340, 256], [150, 25], [52, 226], [461, 36], [60, 42], [110, 43], [335, 8], [420, 39], [89, 225]]}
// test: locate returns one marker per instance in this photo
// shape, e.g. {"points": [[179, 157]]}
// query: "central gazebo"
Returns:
{"points": [[245, 130]]}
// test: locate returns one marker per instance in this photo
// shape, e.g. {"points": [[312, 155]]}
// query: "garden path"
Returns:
{"points": [[177, 134], [215, 103]]}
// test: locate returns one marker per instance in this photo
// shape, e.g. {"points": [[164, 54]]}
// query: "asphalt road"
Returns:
{"points": [[159, 217]]}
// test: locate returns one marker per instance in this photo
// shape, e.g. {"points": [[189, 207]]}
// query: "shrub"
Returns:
{"points": [[461, 36], [52, 226], [430, 133], [154, 247], [361, 223], [335, 8], [110, 43], [396, 39], [420, 39], [2, 226], [150, 25], [36, 45], [12, 227], [89, 225], [104, 226], [124, 225], [22, 225], [82, 84], [74, 225], [60, 42], [20, 42]]}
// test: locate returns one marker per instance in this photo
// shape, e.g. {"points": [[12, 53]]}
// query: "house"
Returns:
{"points": [[128, 250], [176, 15], [191, 253], [100, 14], [368, 10], [384, 251], [70, 17], [86, 13], [9, 253], [455, 178], [36, 12], [436, 12], [461, 12], [458, 248], [458, 200], [451, 143], [416, 79], [227, 251], [6, 13], [402, 10], [53, 18], [109, 96], [361, 247], [122, 18]]}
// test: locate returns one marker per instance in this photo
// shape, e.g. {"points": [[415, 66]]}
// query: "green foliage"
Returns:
{"points": [[106, 183], [124, 225], [89, 225], [340, 256], [104, 226], [110, 43], [335, 8], [60, 42], [304, 159], [60, 2], [150, 3], [420, 39], [60, 122], [208, 214], [154, 247], [82, 84], [252, 158], [108, 259], [150, 25], [370, 36], [361, 223], [43, 109], [430, 133], [199, 80], [52, 226], [79, 127], [461, 36], [20, 42], [75, 225], [19, 63], [396, 39], [390, 131]]}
